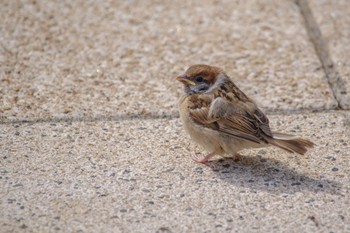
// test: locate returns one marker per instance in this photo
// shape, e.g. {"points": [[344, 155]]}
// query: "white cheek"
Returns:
{"points": [[200, 88]]}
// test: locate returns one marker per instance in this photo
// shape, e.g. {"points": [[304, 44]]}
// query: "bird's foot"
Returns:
{"points": [[237, 157], [204, 160]]}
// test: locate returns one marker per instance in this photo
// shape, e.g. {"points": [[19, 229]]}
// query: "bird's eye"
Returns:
{"points": [[199, 79]]}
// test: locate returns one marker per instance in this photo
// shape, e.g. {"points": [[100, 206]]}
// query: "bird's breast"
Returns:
{"points": [[204, 136]]}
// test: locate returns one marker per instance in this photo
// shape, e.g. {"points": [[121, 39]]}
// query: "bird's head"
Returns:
{"points": [[199, 78]]}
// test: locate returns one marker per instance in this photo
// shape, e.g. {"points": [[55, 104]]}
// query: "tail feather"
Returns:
{"points": [[291, 143]]}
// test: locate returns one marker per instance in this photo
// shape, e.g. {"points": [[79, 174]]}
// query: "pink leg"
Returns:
{"points": [[203, 160], [236, 157]]}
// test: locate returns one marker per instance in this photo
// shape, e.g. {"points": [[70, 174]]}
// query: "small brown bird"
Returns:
{"points": [[222, 119]]}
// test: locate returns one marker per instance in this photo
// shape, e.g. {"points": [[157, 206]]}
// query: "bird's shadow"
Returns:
{"points": [[269, 175]]}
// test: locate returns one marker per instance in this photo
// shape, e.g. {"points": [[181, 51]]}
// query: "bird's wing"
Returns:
{"points": [[230, 111]]}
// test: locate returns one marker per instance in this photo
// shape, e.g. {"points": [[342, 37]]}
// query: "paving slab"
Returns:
{"points": [[333, 19], [136, 175], [91, 58]]}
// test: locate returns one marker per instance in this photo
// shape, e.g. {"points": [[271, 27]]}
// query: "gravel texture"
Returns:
{"points": [[90, 139], [333, 19], [117, 176], [91, 58]]}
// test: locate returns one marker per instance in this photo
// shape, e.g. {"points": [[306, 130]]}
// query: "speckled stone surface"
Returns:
{"points": [[90, 139], [117, 176], [84, 58], [333, 19]]}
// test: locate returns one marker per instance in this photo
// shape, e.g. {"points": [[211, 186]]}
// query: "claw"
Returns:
{"points": [[236, 157], [199, 159], [204, 160]]}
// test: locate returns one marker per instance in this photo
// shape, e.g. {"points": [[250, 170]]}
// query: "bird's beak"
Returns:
{"points": [[185, 79]]}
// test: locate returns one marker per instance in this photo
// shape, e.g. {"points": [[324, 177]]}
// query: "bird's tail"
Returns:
{"points": [[291, 143]]}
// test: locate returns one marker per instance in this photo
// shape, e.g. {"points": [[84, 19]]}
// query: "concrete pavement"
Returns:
{"points": [[90, 135]]}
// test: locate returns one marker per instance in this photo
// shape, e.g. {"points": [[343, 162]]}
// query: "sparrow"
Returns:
{"points": [[221, 118]]}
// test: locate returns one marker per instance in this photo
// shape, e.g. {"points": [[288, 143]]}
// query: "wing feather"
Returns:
{"points": [[228, 110]]}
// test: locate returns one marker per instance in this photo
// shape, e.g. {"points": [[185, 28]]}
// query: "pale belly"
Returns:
{"points": [[215, 141]]}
